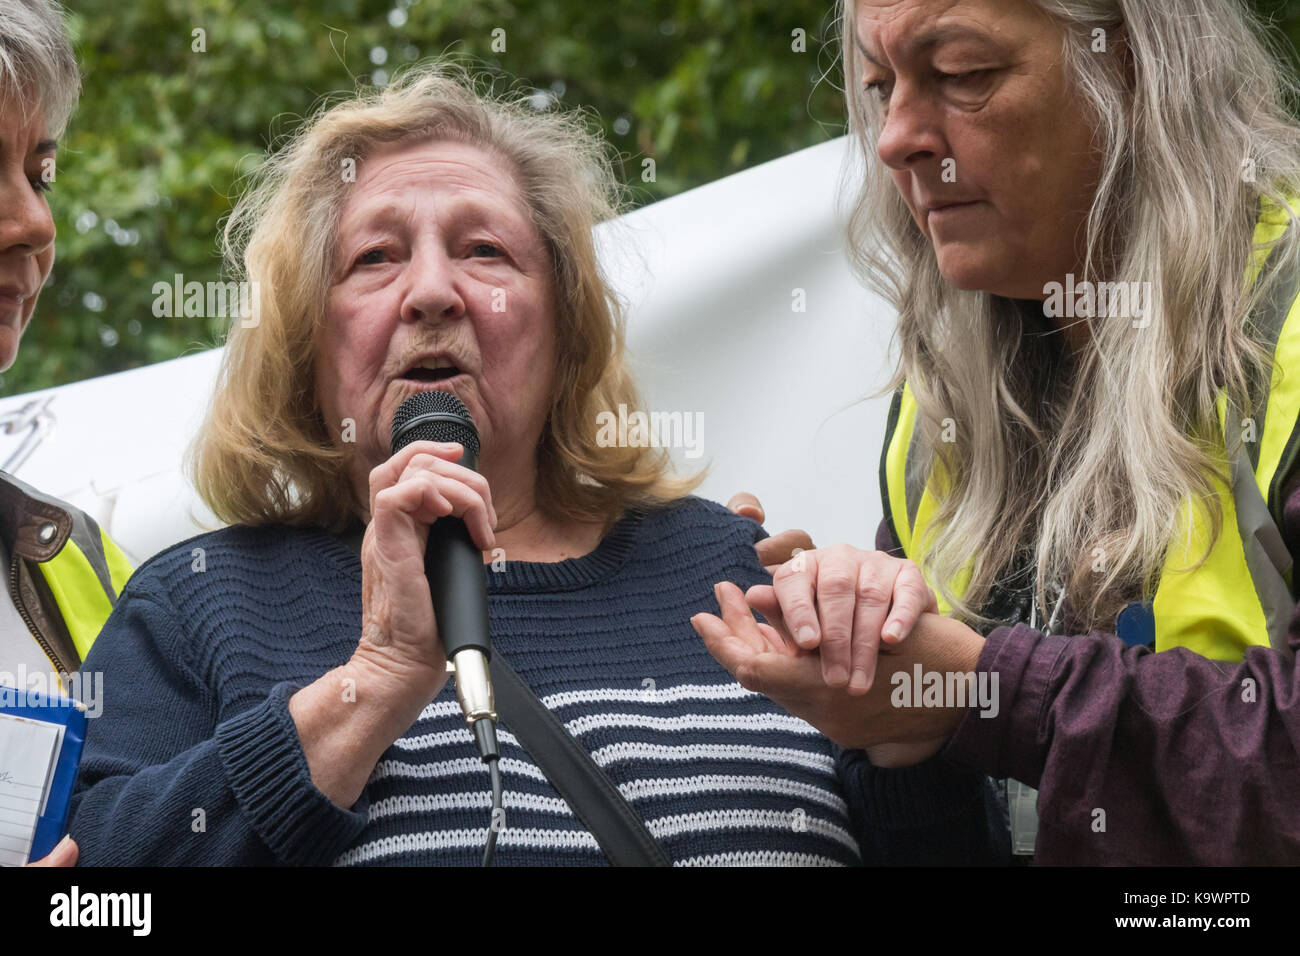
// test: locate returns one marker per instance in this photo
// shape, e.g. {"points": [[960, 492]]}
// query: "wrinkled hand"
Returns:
{"points": [[775, 549], [845, 602], [837, 599], [764, 658], [413, 489]]}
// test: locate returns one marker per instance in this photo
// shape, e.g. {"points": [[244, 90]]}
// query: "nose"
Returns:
{"points": [[26, 226], [433, 291], [911, 132]]}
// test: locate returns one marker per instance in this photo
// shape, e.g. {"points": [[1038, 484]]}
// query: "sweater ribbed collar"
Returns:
{"points": [[523, 577]]}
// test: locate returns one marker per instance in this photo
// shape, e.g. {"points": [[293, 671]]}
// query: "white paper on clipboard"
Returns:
{"points": [[29, 750]]}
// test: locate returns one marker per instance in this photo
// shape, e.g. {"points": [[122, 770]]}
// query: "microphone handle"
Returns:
{"points": [[454, 566]]}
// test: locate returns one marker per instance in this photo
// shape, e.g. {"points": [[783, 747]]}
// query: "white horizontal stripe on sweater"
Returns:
{"points": [[443, 738], [546, 839], [467, 800], [758, 723], [608, 755], [647, 695], [456, 839], [678, 824], [759, 858], [451, 768], [453, 738], [616, 753], [650, 787], [632, 791], [437, 710]]}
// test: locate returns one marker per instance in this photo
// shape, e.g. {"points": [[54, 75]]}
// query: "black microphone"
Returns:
{"points": [[453, 564]]}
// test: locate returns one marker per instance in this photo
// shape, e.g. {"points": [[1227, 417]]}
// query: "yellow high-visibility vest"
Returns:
{"points": [[1242, 595], [65, 572], [85, 578]]}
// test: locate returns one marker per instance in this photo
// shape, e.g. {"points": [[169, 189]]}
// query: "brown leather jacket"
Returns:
{"points": [[36, 528]]}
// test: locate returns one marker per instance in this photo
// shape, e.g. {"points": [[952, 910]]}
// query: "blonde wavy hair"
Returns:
{"points": [[264, 455], [1057, 459]]}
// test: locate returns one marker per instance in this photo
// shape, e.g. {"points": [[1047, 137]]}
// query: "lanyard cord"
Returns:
{"points": [[1056, 610]]}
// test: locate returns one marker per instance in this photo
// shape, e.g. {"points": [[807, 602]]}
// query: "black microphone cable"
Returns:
{"points": [[485, 732]]}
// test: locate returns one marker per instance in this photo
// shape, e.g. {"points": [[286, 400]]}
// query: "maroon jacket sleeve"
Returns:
{"points": [[1144, 758]]}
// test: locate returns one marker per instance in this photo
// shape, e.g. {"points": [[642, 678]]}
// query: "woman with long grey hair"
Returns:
{"points": [[1083, 212]]}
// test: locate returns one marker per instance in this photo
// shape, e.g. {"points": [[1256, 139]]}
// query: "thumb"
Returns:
{"points": [[747, 506], [65, 854]]}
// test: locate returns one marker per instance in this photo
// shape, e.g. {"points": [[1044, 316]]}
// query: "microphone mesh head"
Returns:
{"points": [[435, 416]]}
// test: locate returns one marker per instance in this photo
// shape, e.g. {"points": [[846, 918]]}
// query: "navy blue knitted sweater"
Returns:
{"points": [[195, 759]]}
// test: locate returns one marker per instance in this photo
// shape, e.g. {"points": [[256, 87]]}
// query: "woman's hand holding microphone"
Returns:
{"points": [[350, 716]]}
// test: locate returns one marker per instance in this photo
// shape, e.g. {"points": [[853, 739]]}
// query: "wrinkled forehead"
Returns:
{"points": [[469, 174], [889, 30], [485, 161]]}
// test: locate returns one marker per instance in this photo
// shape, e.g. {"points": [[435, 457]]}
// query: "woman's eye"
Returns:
{"points": [[371, 257], [41, 185], [487, 250], [960, 78], [881, 89]]}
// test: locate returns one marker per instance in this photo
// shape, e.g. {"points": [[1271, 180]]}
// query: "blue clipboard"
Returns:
{"points": [[51, 709]]}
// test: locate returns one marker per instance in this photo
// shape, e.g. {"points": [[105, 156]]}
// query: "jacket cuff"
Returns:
{"points": [[1013, 742], [900, 798], [268, 772]]}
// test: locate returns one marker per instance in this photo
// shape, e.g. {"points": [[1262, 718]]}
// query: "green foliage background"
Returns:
{"points": [[151, 161]]}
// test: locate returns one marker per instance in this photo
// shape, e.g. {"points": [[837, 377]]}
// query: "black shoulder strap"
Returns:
{"points": [[567, 765]]}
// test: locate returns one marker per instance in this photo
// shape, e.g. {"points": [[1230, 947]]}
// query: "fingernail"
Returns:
{"points": [[894, 630], [806, 635], [837, 676], [858, 681]]}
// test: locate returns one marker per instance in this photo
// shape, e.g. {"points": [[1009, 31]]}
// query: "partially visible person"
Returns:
{"points": [[62, 573], [1085, 213]]}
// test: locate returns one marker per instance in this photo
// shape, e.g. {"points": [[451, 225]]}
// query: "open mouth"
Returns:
{"points": [[431, 375], [438, 370]]}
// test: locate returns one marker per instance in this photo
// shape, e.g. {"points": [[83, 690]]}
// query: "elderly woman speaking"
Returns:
{"points": [[1084, 213], [275, 698]]}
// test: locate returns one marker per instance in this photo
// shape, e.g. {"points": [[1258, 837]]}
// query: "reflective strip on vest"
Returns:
{"points": [[119, 565], [1241, 596], [85, 578]]}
